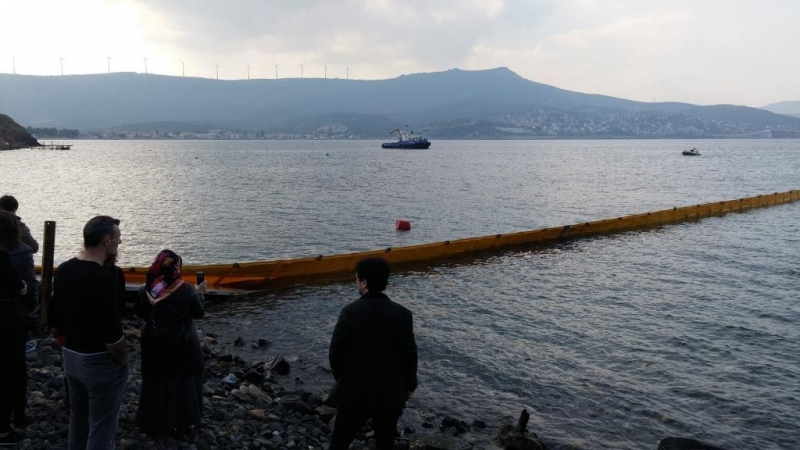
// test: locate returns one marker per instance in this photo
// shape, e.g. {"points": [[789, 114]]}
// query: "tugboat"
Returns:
{"points": [[412, 143], [692, 152]]}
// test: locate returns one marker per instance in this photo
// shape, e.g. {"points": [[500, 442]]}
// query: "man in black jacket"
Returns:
{"points": [[10, 204], [373, 356]]}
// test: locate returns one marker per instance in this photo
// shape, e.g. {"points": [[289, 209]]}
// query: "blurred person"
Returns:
{"points": [[13, 375]]}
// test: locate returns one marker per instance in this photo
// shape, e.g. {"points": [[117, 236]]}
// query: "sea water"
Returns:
{"points": [[610, 342]]}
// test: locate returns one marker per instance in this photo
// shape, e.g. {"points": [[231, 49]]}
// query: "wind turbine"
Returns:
{"points": [[326, 71], [14, 64], [215, 63], [61, 61], [108, 58], [301, 70], [183, 68], [248, 71], [348, 72], [145, 63], [276, 71]]}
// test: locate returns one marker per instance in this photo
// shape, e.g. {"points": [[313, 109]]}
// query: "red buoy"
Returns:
{"points": [[402, 225]]}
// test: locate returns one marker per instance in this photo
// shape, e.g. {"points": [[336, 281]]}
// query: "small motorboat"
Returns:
{"points": [[692, 152]]}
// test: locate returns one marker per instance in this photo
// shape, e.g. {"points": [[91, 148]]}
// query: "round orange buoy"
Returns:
{"points": [[402, 225]]}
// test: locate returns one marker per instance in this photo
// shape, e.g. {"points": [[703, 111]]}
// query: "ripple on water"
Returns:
{"points": [[610, 342]]}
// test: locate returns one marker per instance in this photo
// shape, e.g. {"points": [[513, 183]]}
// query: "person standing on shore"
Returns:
{"points": [[373, 357], [171, 401], [10, 204], [94, 351], [13, 375], [21, 258]]}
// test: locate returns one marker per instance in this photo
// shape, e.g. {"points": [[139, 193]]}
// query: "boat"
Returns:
{"points": [[692, 152], [409, 143]]}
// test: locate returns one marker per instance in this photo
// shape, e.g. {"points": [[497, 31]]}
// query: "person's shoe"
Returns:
{"points": [[20, 426], [10, 438]]}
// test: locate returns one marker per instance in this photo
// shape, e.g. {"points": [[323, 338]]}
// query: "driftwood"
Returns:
{"points": [[515, 438]]}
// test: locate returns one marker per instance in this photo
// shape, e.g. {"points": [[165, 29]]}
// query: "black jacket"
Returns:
{"points": [[26, 237], [373, 355], [176, 353]]}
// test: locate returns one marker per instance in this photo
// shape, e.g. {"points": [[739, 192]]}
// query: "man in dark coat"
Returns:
{"points": [[10, 204], [373, 356]]}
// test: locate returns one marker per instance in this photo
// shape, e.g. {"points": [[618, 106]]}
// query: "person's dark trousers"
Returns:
{"points": [[20, 383], [384, 424], [96, 386], [13, 379]]}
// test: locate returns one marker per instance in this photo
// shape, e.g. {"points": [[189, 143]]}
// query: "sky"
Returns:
{"points": [[744, 52]]}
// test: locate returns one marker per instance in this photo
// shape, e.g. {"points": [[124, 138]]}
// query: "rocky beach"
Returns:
{"points": [[255, 404]]}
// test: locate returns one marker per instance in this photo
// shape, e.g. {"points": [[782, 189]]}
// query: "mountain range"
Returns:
{"points": [[484, 104], [787, 108]]}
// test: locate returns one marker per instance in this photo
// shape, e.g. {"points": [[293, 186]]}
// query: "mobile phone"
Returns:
{"points": [[200, 276]]}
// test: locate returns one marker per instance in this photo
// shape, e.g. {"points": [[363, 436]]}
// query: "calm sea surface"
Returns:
{"points": [[614, 342]]}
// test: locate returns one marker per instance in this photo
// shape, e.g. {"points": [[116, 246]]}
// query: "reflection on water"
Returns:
{"points": [[610, 342], [225, 201]]}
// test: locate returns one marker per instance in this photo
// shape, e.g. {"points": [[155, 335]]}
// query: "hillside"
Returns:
{"points": [[788, 108], [13, 135], [494, 103]]}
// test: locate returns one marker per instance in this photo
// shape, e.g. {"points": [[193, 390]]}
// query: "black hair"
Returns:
{"points": [[9, 203], [97, 228], [375, 271]]}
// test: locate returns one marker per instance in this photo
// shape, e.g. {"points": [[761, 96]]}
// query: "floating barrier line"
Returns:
{"points": [[261, 274]]}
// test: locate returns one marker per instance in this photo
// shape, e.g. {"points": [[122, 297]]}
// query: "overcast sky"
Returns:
{"points": [[698, 51]]}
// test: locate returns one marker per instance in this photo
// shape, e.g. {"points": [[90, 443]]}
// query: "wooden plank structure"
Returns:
{"points": [[262, 274], [54, 146]]}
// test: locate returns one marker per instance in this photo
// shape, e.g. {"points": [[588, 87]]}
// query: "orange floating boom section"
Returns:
{"points": [[259, 274]]}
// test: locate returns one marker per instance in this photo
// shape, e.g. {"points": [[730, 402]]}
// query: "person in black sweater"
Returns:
{"points": [[84, 310], [373, 357]]}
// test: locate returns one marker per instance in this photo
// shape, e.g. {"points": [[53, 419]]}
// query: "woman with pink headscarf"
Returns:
{"points": [[171, 401]]}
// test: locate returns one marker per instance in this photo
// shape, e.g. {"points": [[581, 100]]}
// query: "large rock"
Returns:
{"points": [[13, 135]]}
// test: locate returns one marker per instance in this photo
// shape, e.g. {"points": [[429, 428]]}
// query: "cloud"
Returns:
{"points": [[384, 37], [714, 51]]}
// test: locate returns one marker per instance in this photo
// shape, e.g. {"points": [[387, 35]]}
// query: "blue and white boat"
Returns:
{"points": [[409, 143]]}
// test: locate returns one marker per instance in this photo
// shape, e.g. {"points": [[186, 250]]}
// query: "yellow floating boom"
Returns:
{"points": [[263, 273]]}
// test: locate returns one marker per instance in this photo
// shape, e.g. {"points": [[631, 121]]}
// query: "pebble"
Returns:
{"points": [[245, 406]]}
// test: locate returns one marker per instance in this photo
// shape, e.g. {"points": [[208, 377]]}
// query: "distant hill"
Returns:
{"points": [[13, 135], [484, 104], [787, 108]]}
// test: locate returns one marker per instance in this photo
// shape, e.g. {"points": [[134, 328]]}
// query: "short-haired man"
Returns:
{"points": [[95, 355], [10, 204], [373, 356]]}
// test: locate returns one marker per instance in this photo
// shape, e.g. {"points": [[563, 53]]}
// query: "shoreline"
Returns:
{"points": [[247, 404]]}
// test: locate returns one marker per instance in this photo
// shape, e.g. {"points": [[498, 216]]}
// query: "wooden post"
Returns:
{"points": [[47, 268]]}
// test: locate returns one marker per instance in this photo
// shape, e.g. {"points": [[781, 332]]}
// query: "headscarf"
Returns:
{"points": [[164, 276]]}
